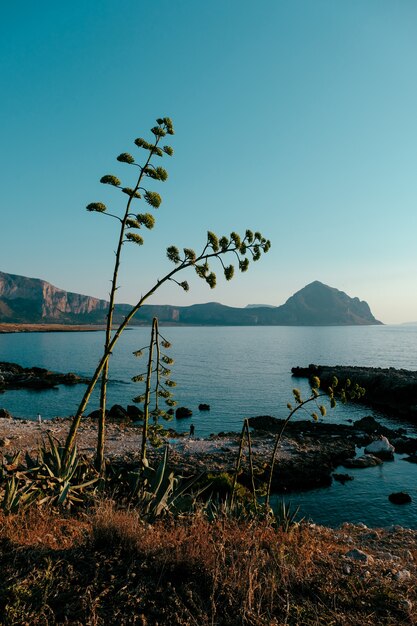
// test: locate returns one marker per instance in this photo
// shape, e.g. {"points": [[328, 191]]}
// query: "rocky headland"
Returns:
{"points": [[389, 390], [14, 376]]}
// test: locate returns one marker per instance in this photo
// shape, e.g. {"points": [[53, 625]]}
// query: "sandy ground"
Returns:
{"points": [[124, 441]]}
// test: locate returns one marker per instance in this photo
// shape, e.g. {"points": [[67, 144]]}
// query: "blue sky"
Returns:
{"points": [[295, 118]]}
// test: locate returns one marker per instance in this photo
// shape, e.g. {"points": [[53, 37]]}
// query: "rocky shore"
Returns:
{"points": [[14, 376], [308, 454], [387, 389]]}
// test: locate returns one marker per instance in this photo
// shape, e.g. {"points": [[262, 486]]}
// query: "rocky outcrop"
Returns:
{"points": [[399, 498], [360, 462], [183, 411], [33, 300], [13, 376], [320, 305], [388, 389]]}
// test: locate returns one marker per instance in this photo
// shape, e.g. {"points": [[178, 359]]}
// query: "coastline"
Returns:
{"points": [[49, 328]]}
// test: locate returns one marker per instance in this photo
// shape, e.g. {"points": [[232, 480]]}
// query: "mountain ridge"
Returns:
{"points": [[33, 300]]}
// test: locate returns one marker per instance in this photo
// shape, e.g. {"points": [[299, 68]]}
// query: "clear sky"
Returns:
{"points": [[297, 118]]}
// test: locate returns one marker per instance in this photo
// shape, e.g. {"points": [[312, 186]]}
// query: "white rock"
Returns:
{"points": [[380, 445], [402, 575]]}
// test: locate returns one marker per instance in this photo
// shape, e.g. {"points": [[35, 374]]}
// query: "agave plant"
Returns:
{"points": [[17, 494], [48, 477], [63, 479], [159, 492], [286, 517]]}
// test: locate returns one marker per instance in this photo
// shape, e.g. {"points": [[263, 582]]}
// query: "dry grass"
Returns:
{"points": [[113, 568]]}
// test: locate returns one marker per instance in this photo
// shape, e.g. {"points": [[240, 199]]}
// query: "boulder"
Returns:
{"points": [[411, 459], [5, 413], [405, 445], [204, 407], [368, 424], [134, 412], [118, 414], [94, 415], [183, 411], [367, 460], [342, 478], [399, 498], [381, 448], [358, 555]]}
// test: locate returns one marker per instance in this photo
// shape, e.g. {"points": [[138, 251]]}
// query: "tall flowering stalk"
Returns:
{"points": [[158, 372], [129, 222], [241, 248]]}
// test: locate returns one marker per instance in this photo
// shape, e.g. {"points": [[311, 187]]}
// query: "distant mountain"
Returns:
{"points": [[320, 305], [31, 300]]}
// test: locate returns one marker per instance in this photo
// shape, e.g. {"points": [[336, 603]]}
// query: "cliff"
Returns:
{"points": [[31, 300]]}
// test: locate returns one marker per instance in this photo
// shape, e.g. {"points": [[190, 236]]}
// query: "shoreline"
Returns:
{"points": [[49, 328], [308, 456]]}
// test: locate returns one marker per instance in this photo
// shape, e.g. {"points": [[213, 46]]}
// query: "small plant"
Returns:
{"points": [[158, 492], [347, 392], [286, 517], [244, 434]]}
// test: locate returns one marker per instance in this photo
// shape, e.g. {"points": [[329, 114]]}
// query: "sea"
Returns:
{"points": [[240, 372]]}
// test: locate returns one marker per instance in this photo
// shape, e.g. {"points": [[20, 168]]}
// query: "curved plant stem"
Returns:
{"points": [[185, 263], [277, 442]]}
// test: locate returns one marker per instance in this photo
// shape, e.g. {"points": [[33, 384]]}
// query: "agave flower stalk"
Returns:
{"points": [[252, 243], [156, 368], [148, 391], [213, 249], [127, 221]]}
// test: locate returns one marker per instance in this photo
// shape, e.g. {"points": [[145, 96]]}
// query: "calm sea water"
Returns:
{"points": [[240, 372]]}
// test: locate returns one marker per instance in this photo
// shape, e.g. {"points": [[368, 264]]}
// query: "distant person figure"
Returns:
{"points": [[192, 430], [39, 418]]}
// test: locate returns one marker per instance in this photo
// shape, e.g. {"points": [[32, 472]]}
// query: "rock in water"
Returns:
{"points": [[182, 411], [381, 448], [367, 460], [399, 498]]}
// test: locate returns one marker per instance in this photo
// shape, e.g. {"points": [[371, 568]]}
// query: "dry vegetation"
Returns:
{"points": [[112, 568]]}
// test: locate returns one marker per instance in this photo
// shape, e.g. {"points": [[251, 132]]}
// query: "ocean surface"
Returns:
{"points": [[240, 372]]}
